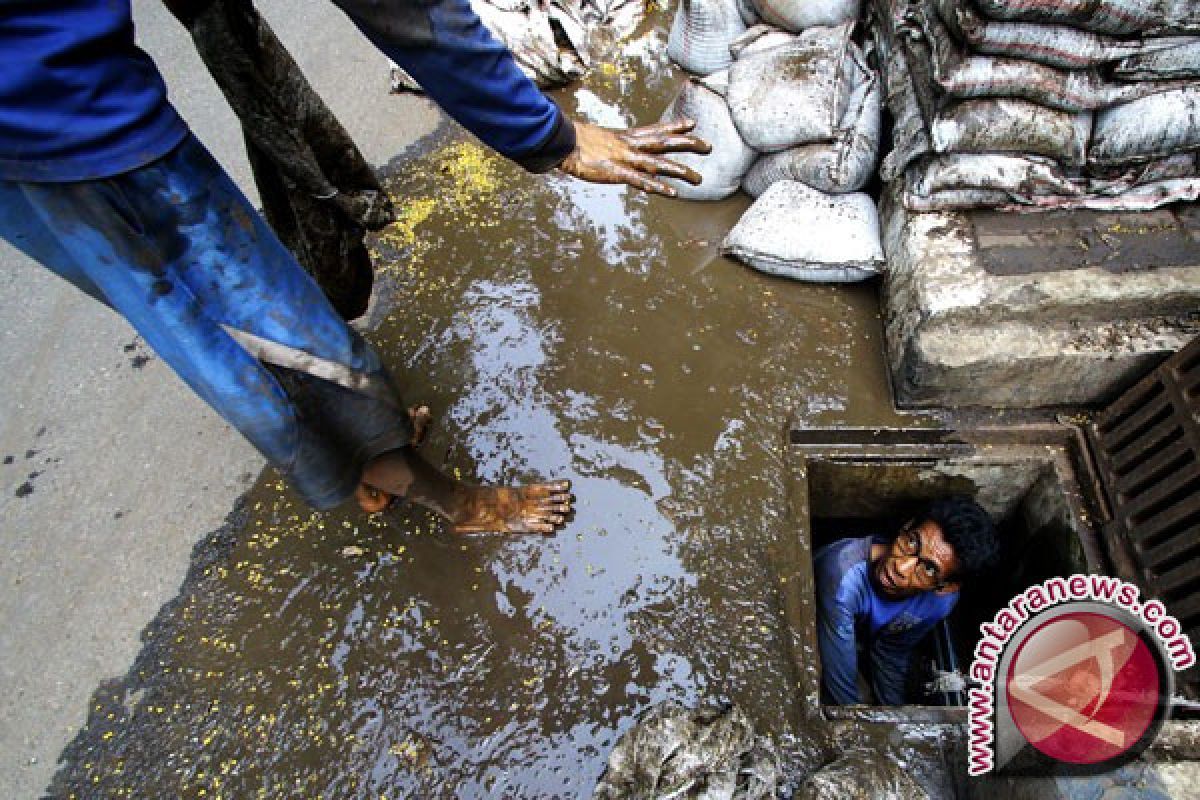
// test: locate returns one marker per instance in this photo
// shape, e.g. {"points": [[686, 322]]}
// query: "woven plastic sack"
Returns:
{"points": [[961, 75], [846, 164], [792, 94], [1006, 125], [701, 33], [757, 38], [798, 15], [991, 171], [1101, 16], [723, 168], [1176, 62], [1153, 127], [1054, 45], [798, 232]]}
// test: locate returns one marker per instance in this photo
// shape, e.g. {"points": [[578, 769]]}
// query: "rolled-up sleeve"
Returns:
{"points": [[445, 47]]}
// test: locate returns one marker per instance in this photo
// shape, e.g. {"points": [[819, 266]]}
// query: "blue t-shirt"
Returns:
{"points": [[79, 100], [849, 607]]}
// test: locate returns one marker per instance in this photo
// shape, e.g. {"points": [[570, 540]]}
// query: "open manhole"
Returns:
{"points": [[1033, 480]]}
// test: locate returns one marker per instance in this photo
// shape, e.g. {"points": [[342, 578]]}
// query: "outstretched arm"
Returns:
{"points": [[444, 46]]}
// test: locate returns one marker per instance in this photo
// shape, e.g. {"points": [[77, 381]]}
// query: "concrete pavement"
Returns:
{"points": [[110, 469]]}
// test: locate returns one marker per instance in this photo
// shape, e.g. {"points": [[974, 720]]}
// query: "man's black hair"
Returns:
{"points": [[970, 531]]}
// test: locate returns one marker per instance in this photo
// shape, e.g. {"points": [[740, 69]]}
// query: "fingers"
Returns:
{"points": [[640, 180], [673, 144], [664, 128], [653, 165]]}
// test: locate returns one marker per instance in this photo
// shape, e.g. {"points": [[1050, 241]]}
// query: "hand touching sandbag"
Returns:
{"points": [[723, 168]]}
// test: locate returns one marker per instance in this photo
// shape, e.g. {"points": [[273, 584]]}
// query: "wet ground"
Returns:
{"points": [[559, 330]]}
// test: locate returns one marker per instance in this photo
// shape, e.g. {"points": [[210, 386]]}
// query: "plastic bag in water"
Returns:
{"points": [[673, 753], [798, 232]]}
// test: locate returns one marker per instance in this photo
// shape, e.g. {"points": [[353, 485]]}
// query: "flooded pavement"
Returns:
{"points": [[557, 330]]}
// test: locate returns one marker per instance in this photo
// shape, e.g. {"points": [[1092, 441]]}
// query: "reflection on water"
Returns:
{"points": [[556, 330]]}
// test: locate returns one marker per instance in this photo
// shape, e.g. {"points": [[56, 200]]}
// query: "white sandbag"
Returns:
{"points": [[1101, 16], [1014, 174], [701, 33], [748, 12], [757, 38], [1054, 45], [910, 131], [1007, 125], [723, 168], [1182, 61], [962, 75], [797, 15], [798, 232], [792, 94], [846, 164], [1146, 129]]}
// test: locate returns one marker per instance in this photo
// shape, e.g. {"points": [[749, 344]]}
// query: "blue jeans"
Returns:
{"points": [[176, 249]]}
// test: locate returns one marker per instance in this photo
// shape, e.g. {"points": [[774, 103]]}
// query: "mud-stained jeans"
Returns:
{"points": [[177, 250]]}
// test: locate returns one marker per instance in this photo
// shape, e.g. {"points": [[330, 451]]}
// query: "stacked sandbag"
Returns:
{"points": [[1029, 104], [800, 106]]}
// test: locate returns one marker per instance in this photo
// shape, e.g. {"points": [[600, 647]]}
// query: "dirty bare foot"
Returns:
{"points": [[536, 508], [372, 500]]}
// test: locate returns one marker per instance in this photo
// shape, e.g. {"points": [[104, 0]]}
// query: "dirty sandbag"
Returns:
{"points": [[748, 11], [797, 232], [798, 15], [1054, 45], [553, 42], [759, 37], [722, 169], [910, 130], [674, 752], [1182, 61], [792, 94], [1015, 174], [962, 75], [846, 164], [1008, 125], [1150, 128], [701, 33], [1101, 16], [862, 775], [1143, 197]]}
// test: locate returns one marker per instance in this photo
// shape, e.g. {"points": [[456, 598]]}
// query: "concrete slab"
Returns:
{"points": [[111, 469], [1024, 311]]}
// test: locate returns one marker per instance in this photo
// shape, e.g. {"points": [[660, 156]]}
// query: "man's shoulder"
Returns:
{"points": [[842, 564]]}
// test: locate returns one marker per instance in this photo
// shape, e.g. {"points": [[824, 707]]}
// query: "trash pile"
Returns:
{"points": [[554, 42], [1025, 105], [675, 752], [793, 110]]}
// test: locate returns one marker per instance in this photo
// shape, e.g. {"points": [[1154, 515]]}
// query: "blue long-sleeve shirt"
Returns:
{"points": [[79, 100], [849, 607]]}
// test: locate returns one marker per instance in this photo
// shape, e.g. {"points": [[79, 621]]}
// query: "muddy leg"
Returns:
{"points": [[372, 500], [537, 508]]}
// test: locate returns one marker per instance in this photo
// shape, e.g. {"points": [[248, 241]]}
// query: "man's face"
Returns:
{"points": [[918, 560]]}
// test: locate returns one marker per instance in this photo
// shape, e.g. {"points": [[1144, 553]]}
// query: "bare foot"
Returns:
{"points": [[536, 508], [372, 500]]}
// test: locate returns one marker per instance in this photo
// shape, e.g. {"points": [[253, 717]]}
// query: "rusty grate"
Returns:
{"points": [[1147, 448]]}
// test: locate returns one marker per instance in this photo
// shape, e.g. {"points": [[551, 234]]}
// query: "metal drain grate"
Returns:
{"points": [[1147, 448]]}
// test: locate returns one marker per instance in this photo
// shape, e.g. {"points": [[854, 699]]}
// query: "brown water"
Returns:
{"points": [[557, 330]]}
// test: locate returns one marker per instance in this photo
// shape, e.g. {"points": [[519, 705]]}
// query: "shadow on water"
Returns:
{"points": [[557, 330]]}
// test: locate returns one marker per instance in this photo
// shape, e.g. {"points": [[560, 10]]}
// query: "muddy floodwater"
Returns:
{"points": [[557, 330]]}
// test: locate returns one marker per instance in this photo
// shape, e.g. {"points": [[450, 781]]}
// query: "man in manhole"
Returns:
{"points": [[882, 596]]}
